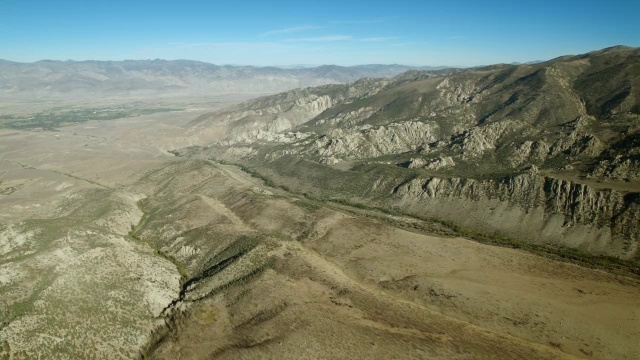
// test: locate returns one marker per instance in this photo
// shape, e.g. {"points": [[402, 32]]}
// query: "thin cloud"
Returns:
{"points": [[357, 22], [379, 39], [402, 44], [321, 39], [290, 30], [215, 45], [221, 44]]}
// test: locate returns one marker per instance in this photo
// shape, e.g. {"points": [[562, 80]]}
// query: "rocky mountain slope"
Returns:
{"points": [[49, 78], [547, 153], [111, 247]]}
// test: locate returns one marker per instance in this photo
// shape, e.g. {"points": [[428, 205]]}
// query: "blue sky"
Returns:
{"points": [[455, 33]]}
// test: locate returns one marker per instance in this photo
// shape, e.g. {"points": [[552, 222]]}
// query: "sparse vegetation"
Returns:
{"points": [[51, 120], [559, 252], [348, 227]]}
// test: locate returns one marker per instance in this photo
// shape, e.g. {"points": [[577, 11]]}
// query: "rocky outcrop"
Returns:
{"points": [[268, 119], [602, 221], [367, 141], [348, 118], [454, 92], [620, 167], [475, 142], [431, 164], [621, 161], [440, 163], [268, 124]]}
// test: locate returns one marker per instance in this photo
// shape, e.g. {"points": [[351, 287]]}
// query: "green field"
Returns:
{"points": [[50, 120]]}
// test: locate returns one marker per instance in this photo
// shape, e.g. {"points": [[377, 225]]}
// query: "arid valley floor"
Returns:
{"points": [[481, 213], [112, 247]]}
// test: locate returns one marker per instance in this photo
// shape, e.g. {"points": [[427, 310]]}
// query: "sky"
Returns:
{"points": [[341, 32]]}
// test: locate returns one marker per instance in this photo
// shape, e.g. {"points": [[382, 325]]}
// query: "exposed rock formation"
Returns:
{"points": [[472, 133], [588, 217], [367, 142]]}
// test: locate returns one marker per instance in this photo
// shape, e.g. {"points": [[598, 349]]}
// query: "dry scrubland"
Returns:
{"points": [[74, 283], [104, 244], [111, 247], [292, 278]]}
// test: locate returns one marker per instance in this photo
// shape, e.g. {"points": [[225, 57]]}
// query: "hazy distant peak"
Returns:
{"points": [[91, 77]]}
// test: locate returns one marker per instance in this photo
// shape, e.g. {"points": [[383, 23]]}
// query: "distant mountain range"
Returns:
{"points": [[78, 78]]}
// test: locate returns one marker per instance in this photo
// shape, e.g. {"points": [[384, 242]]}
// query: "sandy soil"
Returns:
{"points": [[75, 283], [357, 287], [580, 311], [66, 210]]}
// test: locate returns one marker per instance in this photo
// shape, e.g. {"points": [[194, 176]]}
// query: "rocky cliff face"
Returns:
{"points": [[620, 161], [270, 118], [545, 209], [465, 139], [366, 141]]}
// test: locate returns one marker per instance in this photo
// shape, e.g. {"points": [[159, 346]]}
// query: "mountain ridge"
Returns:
{"points": [[491, 137], [81, 78]]}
